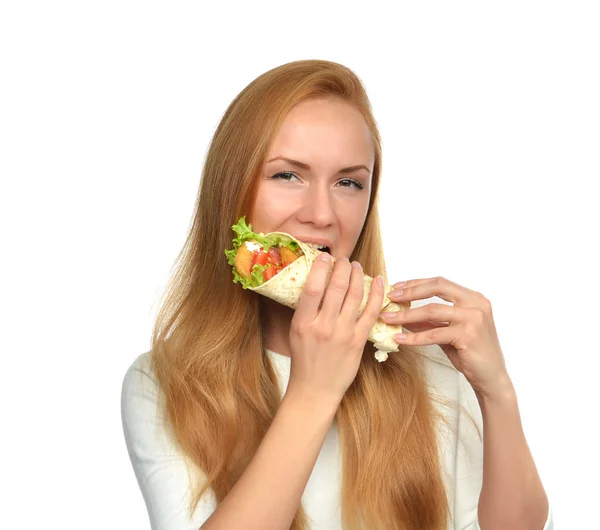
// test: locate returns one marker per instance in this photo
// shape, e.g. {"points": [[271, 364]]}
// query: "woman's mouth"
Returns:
{"points": [[322, 248]]}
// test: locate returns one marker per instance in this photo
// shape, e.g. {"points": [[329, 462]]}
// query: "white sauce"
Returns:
{"points": [[253, 245]]}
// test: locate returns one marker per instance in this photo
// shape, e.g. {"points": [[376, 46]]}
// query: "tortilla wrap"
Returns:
{"points": [[286, 286]]}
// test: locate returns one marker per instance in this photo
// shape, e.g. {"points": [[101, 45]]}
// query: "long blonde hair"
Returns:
{"points": [[219, 390]]}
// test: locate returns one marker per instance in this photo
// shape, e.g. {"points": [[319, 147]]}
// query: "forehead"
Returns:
{"points": [[324, 132]]}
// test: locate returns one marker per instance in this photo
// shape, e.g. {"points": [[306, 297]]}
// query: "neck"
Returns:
{"points": [[277, 319]]}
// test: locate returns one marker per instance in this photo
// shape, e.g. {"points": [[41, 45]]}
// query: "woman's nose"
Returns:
{"points": [[318, 207]]}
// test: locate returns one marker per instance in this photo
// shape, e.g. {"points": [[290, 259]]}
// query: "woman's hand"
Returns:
{"points": [[327, 342], [465, 331]]}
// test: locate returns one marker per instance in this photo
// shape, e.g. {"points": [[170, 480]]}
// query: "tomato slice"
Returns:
{"points": [[270, 272], [272, 257], [260, 258]]}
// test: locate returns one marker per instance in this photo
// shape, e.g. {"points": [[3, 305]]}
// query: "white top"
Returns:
{"points": [[163, 479]]}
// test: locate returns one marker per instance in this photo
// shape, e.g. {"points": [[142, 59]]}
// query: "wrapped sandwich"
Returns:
{"points": [[276, 265]]}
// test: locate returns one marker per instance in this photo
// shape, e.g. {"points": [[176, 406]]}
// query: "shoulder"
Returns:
{"points": [[139, 389], [162, 471], [139, 372], [140, 411]]}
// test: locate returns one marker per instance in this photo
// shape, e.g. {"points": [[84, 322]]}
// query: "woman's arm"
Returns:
{"points": [[512, 495], [269, 492]]}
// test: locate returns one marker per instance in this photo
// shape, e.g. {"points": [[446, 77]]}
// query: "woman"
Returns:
{"points": [[246, 414]]}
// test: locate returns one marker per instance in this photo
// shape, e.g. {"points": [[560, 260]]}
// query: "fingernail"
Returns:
{"points": [[379, 281], [324, 256], [356, 265], [400, 336], [387, 315], [399, 284]]}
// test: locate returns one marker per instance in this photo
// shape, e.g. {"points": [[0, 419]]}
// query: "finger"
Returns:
{"points": [[354, 296], [434, 336], [430, 312], [441, 287], [423, 326], [312, 292], [336, 290], [370, 314], [410, 283]]}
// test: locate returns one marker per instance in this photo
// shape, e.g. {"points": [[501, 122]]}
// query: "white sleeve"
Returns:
{"points": [[159, 468]]}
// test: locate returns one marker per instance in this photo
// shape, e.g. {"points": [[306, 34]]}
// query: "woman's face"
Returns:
{"points": [[324, 198]]}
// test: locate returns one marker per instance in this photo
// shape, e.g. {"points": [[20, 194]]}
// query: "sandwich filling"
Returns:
{"points": [[256, 258], [277, 265]]}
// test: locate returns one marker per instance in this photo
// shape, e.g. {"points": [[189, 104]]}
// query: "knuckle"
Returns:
{"points": [[345, 335], [356, 292], [297, 328], [485, 304], [339, 285], [323, 333], [440, 281], [470, 329], [434, 334], [478, 316], [311, 290], [430, 310]]}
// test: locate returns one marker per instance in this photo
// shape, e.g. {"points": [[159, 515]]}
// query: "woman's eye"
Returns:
{"points": [[345, 183], [284, 174], [352, 182]]}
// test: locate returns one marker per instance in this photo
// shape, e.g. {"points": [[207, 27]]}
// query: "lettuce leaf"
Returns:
{"points": [[244, 233], [257, 275], [255, 279]]}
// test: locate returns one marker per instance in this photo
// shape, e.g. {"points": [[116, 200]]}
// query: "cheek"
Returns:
{"points": [[354, 217], [353, 220], [267, 209]]}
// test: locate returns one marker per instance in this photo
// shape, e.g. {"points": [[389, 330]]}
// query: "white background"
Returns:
{"points": [[490, 119]]}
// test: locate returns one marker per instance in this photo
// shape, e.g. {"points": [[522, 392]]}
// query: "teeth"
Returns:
{"points": [[315, 246]]}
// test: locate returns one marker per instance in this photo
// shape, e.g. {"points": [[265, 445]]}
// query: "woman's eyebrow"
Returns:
{"points": [[302, 165]]}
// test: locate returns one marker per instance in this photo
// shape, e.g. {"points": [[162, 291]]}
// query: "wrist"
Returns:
{"points": [[310, 402], [501, 393]]}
